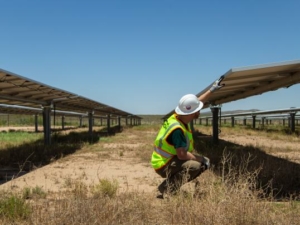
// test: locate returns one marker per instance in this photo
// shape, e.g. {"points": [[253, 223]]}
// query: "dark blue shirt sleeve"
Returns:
{"points": [[178, 139]]}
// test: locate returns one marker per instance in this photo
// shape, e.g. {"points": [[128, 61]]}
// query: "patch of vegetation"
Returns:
{"points": [[33, 193], [106, 188], [14, 208]]}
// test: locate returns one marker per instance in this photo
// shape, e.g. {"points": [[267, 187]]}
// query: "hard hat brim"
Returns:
{"points": [[179, 112]]}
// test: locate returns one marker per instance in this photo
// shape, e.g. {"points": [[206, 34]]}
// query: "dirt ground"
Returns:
{"points": [[88, 168], [289, 150]]}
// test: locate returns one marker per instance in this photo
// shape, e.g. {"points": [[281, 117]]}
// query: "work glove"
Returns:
{"points": [[206, 162], [216, 85]]}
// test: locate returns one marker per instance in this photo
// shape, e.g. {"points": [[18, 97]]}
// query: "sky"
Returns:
{"points": [[142, 56]]}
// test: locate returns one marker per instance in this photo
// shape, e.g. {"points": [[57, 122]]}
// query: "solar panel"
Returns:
{"points": [[253, 80], [22, 91]]}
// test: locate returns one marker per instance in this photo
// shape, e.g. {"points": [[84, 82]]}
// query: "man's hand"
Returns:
{"points": [[217, 85], [206, 162]]}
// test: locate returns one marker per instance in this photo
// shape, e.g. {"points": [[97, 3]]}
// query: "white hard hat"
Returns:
{"points": [[188, 104]]}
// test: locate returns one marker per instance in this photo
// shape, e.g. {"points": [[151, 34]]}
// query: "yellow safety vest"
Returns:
{"points": [[163, 151]]}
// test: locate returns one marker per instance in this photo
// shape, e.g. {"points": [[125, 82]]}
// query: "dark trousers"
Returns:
{"points": [[178, 172]]}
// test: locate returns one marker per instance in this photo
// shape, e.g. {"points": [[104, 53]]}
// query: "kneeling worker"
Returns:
{"points": [[172, 157]]}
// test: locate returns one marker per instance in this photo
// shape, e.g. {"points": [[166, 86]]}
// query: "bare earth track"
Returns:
{"points": [[116, 161], [89, 167]]}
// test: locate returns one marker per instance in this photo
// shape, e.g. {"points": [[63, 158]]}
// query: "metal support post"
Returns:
{"points": [[47, 124], [36, 122], [215, 113], [108, 123], [232, 121], [292, 114], [90, 114], [253, 121], [119, 123]]}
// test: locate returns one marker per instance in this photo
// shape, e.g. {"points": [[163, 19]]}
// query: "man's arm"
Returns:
{"points": [[182, 154], [204, 96]]}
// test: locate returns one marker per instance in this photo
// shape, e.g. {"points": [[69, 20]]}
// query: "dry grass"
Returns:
{"points": [[245, 186]]}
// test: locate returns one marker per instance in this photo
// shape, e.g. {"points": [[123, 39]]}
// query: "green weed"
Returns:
{"points": [[106, 188], [14, 208], [36, 192]]}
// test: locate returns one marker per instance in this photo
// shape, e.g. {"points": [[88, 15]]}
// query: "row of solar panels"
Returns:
{"points": [[254, 80], [265, 113], [262, 116], [16, 109], [22, 91], [239, 83]]}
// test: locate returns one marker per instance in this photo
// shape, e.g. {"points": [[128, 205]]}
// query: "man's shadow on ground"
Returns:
{"points": [[278, 177]]}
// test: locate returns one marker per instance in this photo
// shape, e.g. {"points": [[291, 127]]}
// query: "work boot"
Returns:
{"points": [[197, 184], [165, 190], [161, 189], [197, 192]]}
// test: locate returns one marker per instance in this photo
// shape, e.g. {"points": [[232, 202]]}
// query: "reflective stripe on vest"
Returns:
{"points": [[162, 153]]}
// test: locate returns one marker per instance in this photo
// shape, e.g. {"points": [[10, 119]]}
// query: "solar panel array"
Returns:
{"points": [[254, 80], [22, 91]]}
